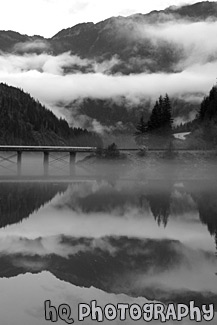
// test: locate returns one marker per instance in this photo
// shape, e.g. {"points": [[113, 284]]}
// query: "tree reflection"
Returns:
{"points": [[206, 199], [19, 200], [160, 202]]}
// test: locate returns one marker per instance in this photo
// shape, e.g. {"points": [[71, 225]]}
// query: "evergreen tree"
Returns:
{"points": [[160, 122], [208, 108], [161, 118], [154, 122], [167, 121], [141, 127]]}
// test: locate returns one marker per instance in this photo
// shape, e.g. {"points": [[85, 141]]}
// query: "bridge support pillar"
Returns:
{"points": [[72, 157], [19, 162], [46, 163]]}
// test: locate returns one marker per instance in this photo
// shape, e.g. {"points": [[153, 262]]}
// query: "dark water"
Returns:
{"points": [[112, 241]]}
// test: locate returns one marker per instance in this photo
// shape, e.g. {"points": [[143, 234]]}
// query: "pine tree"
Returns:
{"points": [[161, 118], [167, 122], [141, 127], [160, 122], [141, 132], [154, 122]]}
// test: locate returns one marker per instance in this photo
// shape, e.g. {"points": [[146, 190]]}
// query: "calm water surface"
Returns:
{"points": [[120, 241]]}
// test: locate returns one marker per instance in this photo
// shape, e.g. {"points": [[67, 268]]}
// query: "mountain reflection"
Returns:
{"points": [[105, 235], [136, 267], [19, 200]]}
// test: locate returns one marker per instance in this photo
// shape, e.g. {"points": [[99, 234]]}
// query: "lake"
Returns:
{"points": [[116, 241]]}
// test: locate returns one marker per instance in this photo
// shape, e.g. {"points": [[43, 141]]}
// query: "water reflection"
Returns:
{"points": [[206, 200], [159, 200], [145, 239], [19, 200]]}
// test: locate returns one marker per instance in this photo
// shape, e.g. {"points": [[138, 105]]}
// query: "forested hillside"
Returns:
{"points": [[208, 109], [25, 121], [204, 127]]}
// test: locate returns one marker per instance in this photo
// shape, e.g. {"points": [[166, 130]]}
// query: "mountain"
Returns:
{"points": [[119, 37], [11, 41], [140, 43], [25, 121], [198, 11], [119, 116]]}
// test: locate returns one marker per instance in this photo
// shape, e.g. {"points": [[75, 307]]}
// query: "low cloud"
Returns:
{"points": [[194, 40], [53, 88], [184, 278], [183, 273], [45, 81], [58, 81], [39, 246], [36, 45], [58, 245], [43, 63], [62, 64]]}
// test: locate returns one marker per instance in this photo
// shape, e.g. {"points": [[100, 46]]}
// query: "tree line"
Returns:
{"points": [[160, 122]]}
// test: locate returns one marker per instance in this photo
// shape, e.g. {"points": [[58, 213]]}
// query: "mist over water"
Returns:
{"points": [[145, 239]]}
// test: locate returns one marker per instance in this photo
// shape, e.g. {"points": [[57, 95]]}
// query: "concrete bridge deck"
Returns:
{"points": [[46, 149], [20, 148]]}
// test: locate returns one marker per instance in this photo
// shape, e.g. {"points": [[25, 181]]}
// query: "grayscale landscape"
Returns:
{"points": [[108, 158]]}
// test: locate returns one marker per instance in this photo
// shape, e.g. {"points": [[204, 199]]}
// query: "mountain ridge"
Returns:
{"points": [[199, 10], [125, 38], [202, 10]]}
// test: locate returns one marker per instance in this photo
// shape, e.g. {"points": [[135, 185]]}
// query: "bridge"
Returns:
{"points": [[12, 155], [17, 151]]}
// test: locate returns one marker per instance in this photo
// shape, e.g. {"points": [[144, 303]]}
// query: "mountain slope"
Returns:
{"points": [[25, 121], [124, 37], [112, 35], [11, 42], [198, 11]]}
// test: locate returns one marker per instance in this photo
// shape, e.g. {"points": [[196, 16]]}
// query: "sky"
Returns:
{"points": [[47, 17]]}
